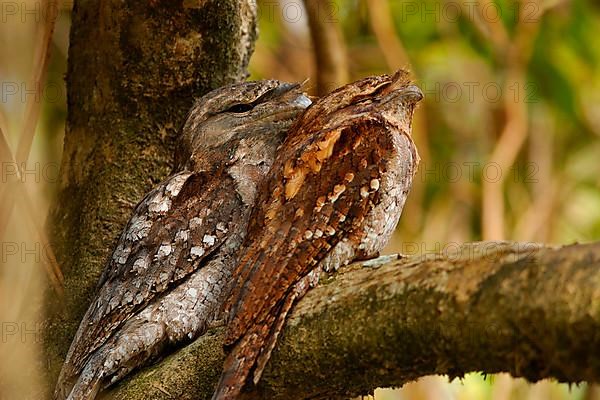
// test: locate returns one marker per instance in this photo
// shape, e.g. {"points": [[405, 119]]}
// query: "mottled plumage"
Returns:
{"points": [[334, 194], [168, 275]]}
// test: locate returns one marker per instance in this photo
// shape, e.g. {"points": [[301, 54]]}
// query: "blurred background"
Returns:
{"points": [[508, 135]]}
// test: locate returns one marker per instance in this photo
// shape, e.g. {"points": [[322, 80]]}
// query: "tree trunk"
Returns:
{"points": [[134, 69], [527, 309]]}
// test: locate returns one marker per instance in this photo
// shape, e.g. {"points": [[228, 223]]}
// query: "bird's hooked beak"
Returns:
{"points": [[283, 88], [301, 101], [398, 92], [402, 97], [411, 94], [399, 102]]}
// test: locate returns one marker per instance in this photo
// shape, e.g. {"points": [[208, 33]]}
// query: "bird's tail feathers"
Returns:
{"points": [[237, 367], [62, 390], [252, 352], [87, 385], [64, 384]]}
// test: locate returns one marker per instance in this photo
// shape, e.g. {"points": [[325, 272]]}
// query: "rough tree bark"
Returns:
{"points": [[134, 69], [527, 309]]}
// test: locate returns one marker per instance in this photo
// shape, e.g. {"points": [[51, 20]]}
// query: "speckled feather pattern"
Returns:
{"points": [[334, 194], [169, 273]]}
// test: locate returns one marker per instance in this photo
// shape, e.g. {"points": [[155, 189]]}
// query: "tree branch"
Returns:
{"points": [[527, 309]]}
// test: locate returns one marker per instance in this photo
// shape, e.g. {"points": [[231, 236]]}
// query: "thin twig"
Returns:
{"points": [[514, 132], [7, 200], [382, 24], [50, 263], [328, 44], [41, 60]]}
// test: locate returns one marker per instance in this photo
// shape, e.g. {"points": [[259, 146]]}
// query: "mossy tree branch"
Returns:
{"points": [[527, 309]]}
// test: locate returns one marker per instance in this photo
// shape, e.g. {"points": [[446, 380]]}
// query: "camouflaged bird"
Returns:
{"points": [[334, 194], [167, 277]]}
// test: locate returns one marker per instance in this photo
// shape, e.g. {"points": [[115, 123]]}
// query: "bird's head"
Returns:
{"points": [[394, 97], [397, 100], [252, 114]]}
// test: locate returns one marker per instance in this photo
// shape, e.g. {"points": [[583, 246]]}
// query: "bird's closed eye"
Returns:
{"points": [[239, 108]]}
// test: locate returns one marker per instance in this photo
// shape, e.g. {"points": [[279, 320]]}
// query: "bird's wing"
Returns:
{"points": [[318, 193], [170, 234]]}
